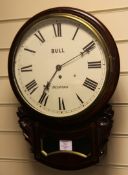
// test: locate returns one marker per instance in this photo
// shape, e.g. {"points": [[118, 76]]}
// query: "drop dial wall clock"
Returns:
{"points": [[63, 68]]}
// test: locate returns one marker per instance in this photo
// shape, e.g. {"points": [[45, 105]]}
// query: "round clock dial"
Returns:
{"points": [[60, 65]]}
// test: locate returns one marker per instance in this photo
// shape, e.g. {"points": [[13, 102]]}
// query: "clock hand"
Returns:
{"points": [[58, 68], [86, 49], [69, 61]]}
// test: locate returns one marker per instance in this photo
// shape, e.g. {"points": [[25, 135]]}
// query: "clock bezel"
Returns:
{"points": [[112, 75]]}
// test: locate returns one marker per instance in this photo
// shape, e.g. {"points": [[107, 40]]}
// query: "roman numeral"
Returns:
{"points": [[29, 50], [43, 99], [94, 64], [26, 68], [61, 104], [75, 33], [57, 30], [90, 84], [90, 46], [39, 36], [79, 98], [31, 86]]}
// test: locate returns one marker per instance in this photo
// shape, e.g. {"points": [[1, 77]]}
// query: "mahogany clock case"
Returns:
{"points": [[111, 78], [87, 131]]}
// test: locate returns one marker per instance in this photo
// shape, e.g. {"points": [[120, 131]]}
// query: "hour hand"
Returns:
{"points": [[46, 87]]}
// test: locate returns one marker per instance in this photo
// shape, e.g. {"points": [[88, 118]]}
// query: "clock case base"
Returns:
{"points": [[81, 147]]}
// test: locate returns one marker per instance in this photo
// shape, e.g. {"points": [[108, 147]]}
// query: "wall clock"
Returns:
{"points": [[63, 68]]}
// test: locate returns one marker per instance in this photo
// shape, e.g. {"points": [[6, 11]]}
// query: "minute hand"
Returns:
{"points": [[86, 49]]}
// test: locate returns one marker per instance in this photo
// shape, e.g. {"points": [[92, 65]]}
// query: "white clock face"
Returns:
{"points": [[60, 66]]}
